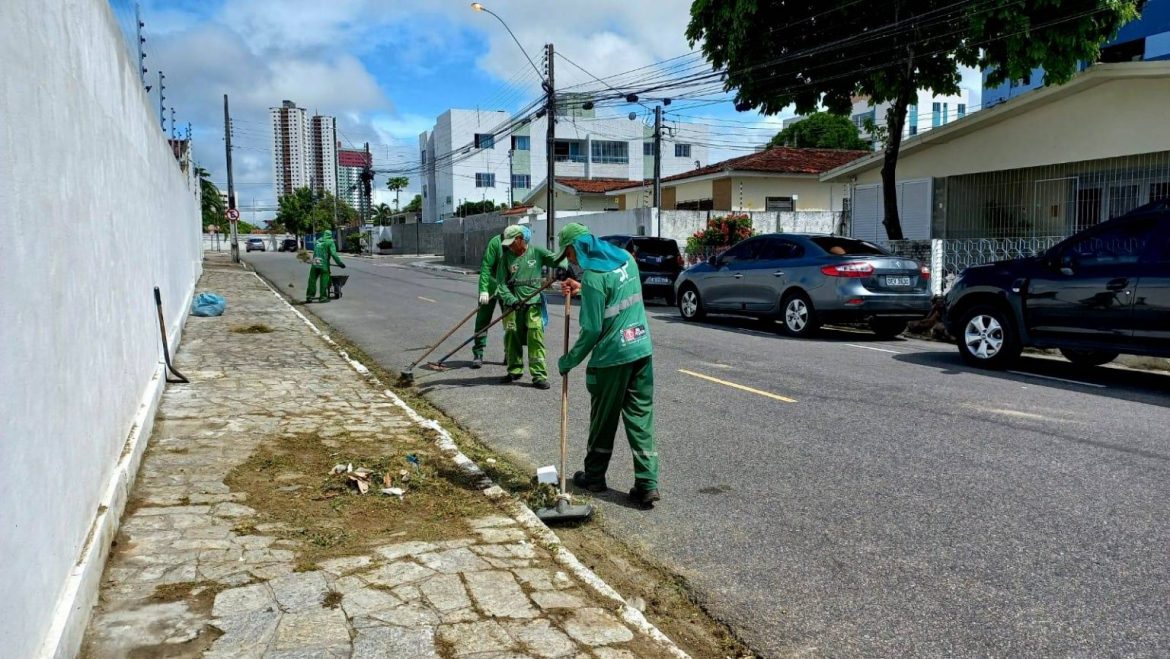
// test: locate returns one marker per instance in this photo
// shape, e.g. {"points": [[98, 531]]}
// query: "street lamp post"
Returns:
{"points": [[550, 114]]}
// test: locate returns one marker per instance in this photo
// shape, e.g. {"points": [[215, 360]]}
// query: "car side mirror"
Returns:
{"points": [[1068, 264], [713, 261]]}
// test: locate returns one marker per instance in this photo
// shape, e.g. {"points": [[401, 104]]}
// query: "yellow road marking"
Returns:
{"points": [[426, 299], [737, 386]]}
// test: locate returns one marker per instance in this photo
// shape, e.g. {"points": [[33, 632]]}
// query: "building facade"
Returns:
{"points": [[303, 150], [350, 163], [929, 111], [1145, 40], [475, 156]]}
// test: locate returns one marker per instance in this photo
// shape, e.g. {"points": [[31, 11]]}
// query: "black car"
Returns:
{"points": [[1100, 293], [287, 245], [659, 262]]}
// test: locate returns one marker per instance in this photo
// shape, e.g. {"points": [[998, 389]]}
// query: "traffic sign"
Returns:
{"points": [[232, 214]]}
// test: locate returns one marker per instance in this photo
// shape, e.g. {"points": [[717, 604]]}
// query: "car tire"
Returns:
{"points": [[987, 337], [1089, 357], [798, 318], [887, 328], [690, 305]]}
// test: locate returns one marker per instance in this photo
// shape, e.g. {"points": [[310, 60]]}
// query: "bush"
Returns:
{"points": [[385, 244], [353, 243], [721, 232]]}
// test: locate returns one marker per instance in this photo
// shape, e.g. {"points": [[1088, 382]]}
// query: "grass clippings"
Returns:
{"points": [[328, 518], [255, 328]]}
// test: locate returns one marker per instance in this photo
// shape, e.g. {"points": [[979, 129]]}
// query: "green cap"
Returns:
{"points": [[511, 234], [569, 235]]}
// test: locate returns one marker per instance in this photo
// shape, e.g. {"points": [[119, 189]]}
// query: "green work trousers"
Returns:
{"points": [[482, 320], [317, 273], [525, 327], [625, 391]]}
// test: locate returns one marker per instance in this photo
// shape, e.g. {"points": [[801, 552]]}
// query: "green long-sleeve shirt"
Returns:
{"points": [[491, 269], [324, 252], [613, 320], [524, 273]]}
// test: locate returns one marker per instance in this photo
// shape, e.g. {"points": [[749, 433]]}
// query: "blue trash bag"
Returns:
{"points": [[208, 304]]}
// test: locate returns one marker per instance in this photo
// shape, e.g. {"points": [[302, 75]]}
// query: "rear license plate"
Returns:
{"points": [[897, 281], [657, 280]]}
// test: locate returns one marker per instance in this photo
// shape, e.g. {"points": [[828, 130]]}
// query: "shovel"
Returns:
{"points": [[565, 510]]}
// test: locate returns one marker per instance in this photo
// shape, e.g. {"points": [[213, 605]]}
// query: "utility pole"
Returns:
{"points": [[162, 113], [511, 201], [227, 140], [658, 166], [550, 110]]}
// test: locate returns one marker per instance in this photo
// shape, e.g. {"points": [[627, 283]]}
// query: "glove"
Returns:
{"points": [[563, 365], [483, 299], [341, 265]]}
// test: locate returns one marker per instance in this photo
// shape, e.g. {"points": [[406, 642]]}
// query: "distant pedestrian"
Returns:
{"points": [[620, 374], [324, 252]]}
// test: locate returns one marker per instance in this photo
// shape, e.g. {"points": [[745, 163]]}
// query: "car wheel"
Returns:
{"points": [[887, 328], [988, 338], [798, 318], [1089, 357], [690, 305]]}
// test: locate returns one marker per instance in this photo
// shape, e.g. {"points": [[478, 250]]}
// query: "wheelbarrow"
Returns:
{"points": [[338, 282]]}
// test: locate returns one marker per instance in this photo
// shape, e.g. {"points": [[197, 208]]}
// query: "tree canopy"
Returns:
{"points": [[822, 130], [415, 205], [304, 211], [818, 53], [475, 208], [212, 204], [397, 184]]}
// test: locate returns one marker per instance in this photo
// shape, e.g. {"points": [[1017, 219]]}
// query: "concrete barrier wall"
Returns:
{"points": [[680, 225], [416, 238], [96, 212]]}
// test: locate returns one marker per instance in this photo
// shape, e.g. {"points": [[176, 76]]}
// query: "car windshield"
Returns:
{"points": [[657, 247], [847, 246]]}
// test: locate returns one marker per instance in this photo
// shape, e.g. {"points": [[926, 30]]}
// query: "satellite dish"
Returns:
{"points": [[633, 116]]}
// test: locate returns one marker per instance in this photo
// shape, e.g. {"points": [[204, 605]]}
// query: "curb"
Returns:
{"points": [[517, 511], [443, 268]]}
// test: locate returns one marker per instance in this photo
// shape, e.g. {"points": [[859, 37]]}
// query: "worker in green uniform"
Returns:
{"points": [[620, 374], [523, 264], [491, 274], [323, 252]]}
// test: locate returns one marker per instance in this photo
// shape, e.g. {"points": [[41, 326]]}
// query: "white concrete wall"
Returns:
{"points": [[680, 225], [96, 213], [751, 192]]}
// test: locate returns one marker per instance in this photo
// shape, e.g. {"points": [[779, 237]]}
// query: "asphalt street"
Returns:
{"points": [[845, 496]]}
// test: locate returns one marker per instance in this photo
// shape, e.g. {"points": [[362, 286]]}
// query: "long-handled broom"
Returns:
{"points": [[438, 365], [565, 510], [406, 377]]}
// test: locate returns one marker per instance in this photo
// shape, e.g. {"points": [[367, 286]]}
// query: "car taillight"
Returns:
{"points": [[925, 272], [856, 270]]}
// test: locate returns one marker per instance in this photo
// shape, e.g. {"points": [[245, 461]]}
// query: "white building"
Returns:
{"points": [[929, 111], [350, 163], [303, 150], [471, 155]]}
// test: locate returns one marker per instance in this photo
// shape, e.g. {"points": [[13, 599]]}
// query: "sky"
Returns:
{"points": [[386, 68]]}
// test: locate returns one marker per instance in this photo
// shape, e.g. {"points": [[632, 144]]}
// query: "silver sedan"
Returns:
{"points": [[806, 280]]}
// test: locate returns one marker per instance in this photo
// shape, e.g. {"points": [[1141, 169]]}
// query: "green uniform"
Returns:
{"points": [[526, 325], [323, 252], [491, 273], [620, 374]]}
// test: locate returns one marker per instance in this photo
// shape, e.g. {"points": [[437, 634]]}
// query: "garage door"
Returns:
{"points": [[914, 202]]}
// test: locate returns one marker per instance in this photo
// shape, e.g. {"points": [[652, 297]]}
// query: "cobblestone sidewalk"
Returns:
{"points": [[202, 569]]}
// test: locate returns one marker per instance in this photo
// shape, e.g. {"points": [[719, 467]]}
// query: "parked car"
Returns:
{"points": [[807, 280], [1100, 293], [255, 244], [287, 245], [659, 263]]}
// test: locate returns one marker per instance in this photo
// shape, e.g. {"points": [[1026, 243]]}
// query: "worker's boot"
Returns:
{"points": [[585, 483], [644, 498], [477, 363], [510, 378]]}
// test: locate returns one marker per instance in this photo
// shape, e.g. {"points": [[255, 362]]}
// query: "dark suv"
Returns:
{"points": [[659, 263], [1103, 292]]}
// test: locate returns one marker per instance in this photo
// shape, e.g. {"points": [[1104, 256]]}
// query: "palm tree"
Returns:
{"points": [[397, 184], [212, 202], [382, 214]]}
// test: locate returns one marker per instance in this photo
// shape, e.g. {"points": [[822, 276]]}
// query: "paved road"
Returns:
{"points": [[902, 505]]}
